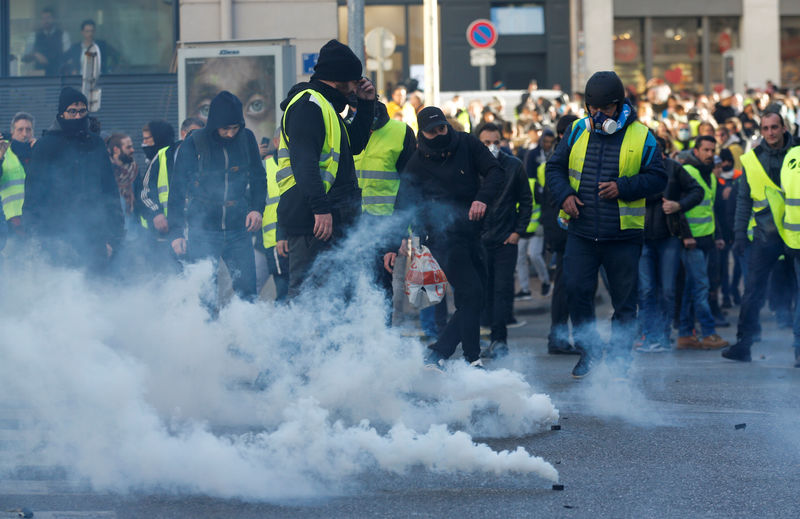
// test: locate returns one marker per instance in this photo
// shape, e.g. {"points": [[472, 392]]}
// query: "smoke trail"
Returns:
{"points": [[135, 388]]}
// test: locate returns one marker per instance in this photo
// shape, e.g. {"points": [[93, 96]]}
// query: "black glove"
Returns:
{"points": [[740, 246]]}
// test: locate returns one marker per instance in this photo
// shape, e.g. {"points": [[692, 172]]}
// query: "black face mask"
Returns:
{"points": [[74, 126], [149, 152], [125, 159], [440, 142]]}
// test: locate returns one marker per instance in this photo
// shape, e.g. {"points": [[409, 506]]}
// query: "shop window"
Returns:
{"points": [[628, 52], [133, 36], [724, 34], [676, 52], [790, 51], [518, 19]]}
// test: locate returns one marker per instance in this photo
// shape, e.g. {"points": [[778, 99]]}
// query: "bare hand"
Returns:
{"points": [[689, 243], [570, 206], [512, 239], [263, 149], [283, 248], [388, 261], [366, 90], [670, 206], [160, 223], [608, 190], [179, 246], [726, 192], [477, 210], [323, 226], [253, 221], [3, 148], [720, 244]]}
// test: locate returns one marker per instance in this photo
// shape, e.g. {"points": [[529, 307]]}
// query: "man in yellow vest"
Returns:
{"points": [[706, 235], [764, 169], [319, 194], [599, 176], [152, 194], [378, 168], [12, 185], [510, 216]]}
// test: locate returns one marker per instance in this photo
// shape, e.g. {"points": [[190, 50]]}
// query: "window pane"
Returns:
{"points": [[518, 19], [628, 52], [790, 51], [133, 36], [724, 36], [676, 52]]}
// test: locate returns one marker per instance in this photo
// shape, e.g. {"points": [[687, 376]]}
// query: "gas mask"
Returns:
{"points": [[603, 123]]}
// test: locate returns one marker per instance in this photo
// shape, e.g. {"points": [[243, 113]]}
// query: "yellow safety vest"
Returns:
{"points": [[376, 168], [701, 217], [536, 214], [329, 156], [631, 214], [12, 185], [163, 183], [785, 203], [269, 223], [758, 180]]}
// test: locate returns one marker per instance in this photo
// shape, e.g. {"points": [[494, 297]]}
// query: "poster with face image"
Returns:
{"points": [[253, 73]]}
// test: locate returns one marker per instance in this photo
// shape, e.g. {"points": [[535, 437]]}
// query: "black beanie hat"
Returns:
{"points": [[68, 96], [337, 62]]}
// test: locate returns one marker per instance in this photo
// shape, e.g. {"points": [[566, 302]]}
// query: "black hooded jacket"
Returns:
{"points": [[439, 185], [70, 193], [511, 211], [223, 179], [304, 127]]}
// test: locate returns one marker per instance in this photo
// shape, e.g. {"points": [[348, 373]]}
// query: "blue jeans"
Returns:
{"points": [[761, 258], [236, 249], [695, 294], [658, 270]]}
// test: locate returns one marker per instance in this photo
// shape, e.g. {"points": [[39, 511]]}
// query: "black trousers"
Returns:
{"points": [[501, 261], [762, 257], [559, 310], [461, 258]]}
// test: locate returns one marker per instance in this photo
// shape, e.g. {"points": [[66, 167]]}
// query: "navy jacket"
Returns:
{"points": [[599, 218]]}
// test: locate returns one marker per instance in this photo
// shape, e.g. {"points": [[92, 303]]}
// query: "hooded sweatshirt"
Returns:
{"points": [[229, 183], [304, 127]]}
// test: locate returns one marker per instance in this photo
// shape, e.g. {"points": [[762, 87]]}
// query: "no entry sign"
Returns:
{"points": [[482, 34]]}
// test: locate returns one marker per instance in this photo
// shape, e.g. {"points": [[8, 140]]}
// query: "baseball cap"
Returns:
{"points": [[429, 118]]}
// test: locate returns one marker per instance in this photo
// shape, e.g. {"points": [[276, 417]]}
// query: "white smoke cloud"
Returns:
{"points": [[133, 387]]}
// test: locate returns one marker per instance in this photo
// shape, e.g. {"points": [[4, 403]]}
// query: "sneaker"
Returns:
{"points": [[434, 359], [584, 366], [496, 350], [563, 348], [713, 342], [737, 352], [523, 295], [477, 364], [513, 323], [688, 342], [653, 347], [545, 289]]}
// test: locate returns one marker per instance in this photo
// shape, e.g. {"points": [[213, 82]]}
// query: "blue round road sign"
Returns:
{"points": [[482, 34]]}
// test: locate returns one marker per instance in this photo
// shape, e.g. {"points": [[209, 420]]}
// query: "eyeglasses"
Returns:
{"points": [[77, 111]]}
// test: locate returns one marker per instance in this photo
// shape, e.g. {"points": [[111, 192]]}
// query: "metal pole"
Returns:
{"points": [[355, 27], [483, 77], [431, 46]]}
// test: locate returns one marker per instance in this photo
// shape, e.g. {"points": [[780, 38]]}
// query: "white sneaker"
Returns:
{"points": [[653, 347]]}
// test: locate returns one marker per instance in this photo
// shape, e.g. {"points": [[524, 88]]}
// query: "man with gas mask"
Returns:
{"points": [[378, 168], [71, 198], [449, 183], [219, 170], [319, 194], [508, 218], [600, 176]]}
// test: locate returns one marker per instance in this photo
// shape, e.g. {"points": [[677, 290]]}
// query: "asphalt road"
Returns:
{"points": [[664, 444]]}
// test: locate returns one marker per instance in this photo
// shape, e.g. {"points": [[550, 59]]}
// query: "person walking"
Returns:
{"points": [[600, 176]]}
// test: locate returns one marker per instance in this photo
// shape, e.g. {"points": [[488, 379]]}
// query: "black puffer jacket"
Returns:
{"points": [[224, 183], [71, 195], [599, 218], [511, 211], [305, 129], [772, 161], [439, 186], [681, 188]]}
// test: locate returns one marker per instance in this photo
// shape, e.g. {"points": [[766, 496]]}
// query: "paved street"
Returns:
{"points": [[664, 445]]}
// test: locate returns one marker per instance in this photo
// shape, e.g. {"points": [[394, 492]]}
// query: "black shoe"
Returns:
{"points": [[496, 350], [721, 322], [522, 295], [434, 359], [726, 303], [584, 366], [737, 352], [564, 348], [545, 288]]}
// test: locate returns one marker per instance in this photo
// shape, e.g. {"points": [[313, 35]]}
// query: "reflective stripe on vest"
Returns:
{"points": [[329, 156], [785, 203], [162, 183], [701, 217], [376, 168], [631, 214], [269, 223], [12, 185]]}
